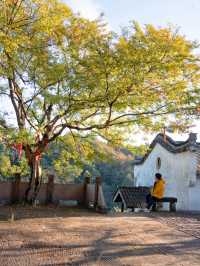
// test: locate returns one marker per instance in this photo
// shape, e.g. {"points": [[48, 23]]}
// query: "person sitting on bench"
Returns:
{"points": [[157, 191]]}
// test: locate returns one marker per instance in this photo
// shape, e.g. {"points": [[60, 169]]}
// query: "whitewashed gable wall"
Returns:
{"points": [[177, 170]]}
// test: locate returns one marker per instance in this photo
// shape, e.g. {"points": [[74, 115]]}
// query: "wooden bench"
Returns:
{"points": [[172, 203]]}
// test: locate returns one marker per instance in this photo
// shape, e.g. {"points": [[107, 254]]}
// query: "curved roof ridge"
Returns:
{"points": [[170, 140], [170, 145]]}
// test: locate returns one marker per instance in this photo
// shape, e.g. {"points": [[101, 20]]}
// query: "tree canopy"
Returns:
{"points": [[65, 74]]}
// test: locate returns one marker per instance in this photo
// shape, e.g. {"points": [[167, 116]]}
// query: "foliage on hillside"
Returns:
{"points": [[113, 164]]}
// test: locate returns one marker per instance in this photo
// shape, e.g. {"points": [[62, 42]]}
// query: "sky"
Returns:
{"points": [[182, 14], [118, 13]]}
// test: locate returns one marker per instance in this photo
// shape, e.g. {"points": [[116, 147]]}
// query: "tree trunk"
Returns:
{"points": [[34, 181], [37, 174], [16, 188]]}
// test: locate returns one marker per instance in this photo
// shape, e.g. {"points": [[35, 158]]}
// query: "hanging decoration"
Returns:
{"points": [[16, 152]]}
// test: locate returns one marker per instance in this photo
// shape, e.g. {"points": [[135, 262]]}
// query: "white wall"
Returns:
{"points": [[177, 171], [194, 195]]}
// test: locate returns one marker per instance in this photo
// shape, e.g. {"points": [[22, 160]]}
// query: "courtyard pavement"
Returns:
{"points": [[60, 237]]}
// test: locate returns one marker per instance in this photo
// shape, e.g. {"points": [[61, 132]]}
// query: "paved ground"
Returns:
{"points": [[58, 237]]}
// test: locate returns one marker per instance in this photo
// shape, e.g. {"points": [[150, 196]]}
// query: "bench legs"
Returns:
{"points": [[172, 206], [154, 207], [157, 205]]}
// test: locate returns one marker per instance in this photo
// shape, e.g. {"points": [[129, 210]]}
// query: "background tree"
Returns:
{"points": [[95, 158], [63, 73]]}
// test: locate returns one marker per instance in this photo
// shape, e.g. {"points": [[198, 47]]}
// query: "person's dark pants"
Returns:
{"points": [[150, 200]]}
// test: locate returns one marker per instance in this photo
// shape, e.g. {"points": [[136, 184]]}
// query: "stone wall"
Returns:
{"points": [[50, 192], [60, 192]]}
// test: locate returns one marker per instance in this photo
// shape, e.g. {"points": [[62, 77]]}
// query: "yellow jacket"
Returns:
{"points": [[158, 189]]}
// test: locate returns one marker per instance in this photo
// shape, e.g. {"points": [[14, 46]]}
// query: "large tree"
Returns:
{"points": [[63, 73]]}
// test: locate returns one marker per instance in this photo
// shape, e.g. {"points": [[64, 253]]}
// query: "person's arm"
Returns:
{"points": [[153, 188]]}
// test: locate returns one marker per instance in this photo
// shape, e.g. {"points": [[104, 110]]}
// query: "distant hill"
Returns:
{"points": [[118, 153]]}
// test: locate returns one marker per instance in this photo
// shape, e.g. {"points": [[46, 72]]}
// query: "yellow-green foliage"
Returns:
{"points": [[7, 170], [66, 74]]}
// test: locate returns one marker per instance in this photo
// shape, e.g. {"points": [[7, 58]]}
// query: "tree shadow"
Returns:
{"points": [[109, 252], [19, 212], [113, 245], [104, 249]]}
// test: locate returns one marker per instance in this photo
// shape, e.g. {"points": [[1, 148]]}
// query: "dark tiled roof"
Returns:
{"points": [[172, 146], [134, 197]]}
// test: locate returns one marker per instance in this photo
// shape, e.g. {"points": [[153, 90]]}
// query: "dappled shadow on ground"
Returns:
{"points": [[28, 212], [187, 222], [184, 214], [68, 236], [24, 212], [100, 251]]}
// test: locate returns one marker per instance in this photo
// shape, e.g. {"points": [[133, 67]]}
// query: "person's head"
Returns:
{"points": [[158, 176]]}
